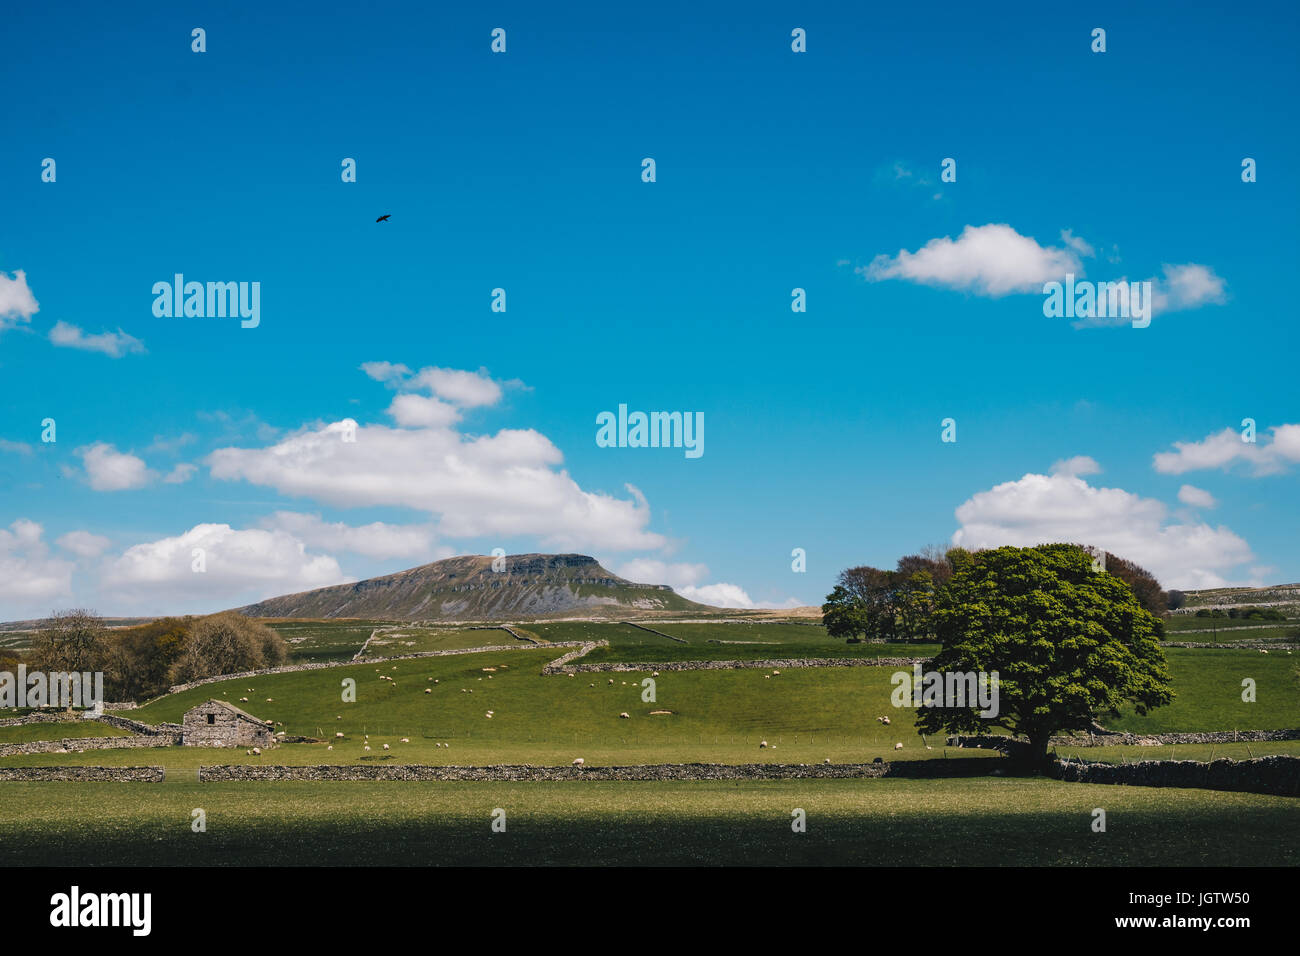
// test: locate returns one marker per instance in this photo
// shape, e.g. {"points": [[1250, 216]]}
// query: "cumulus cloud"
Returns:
{"points": [[991, 260], [31, 581], [240, 566], [17, 304], [180, 474], [113, 344], [17, 447], [1225, 448], [1186, 287], [376, 540], [1077, 466], [385, 371], [1196, 497], [83, 544], [108, 469], [685, 578], [420, 411], [507, 484], [1038, 509], [467, 389]]}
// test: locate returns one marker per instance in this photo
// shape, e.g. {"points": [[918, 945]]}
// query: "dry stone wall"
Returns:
{"points": [[1272, 775], [82, 774]]}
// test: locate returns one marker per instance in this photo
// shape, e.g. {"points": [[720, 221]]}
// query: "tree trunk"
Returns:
{"points": [[1038, 741]]}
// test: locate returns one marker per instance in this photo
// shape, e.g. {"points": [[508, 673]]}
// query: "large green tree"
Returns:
{"points": [[1069, 644]]}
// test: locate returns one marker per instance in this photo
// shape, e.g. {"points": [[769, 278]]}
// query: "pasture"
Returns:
{"points": [[986, 821]]}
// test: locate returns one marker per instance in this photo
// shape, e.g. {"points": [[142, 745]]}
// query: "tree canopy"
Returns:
{"points": [[1069, 644]]}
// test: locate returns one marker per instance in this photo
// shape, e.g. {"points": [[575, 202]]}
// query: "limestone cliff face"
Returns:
{"points": [[468, 588]]}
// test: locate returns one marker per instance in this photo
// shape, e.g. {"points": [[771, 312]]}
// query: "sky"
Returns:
{"points": [[921, 173]]}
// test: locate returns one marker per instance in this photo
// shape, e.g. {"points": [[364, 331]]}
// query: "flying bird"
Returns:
{"points": [[383, 218]]}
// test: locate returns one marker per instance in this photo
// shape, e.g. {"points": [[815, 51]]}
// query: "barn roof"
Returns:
{"points": [[230, 707]]}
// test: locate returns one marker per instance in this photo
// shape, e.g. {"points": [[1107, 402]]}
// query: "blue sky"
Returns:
{"points": [[775, 170]]}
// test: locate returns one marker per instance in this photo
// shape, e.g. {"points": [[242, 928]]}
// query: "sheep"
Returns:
{"points": [[329, 747], [827, 760], [406, 740], [611, 680], [624, 716], [269, 699], [386, 746], [257, 751], [428, 690], [579, 762], [339, 734], [655, 674], [1262, 651], [488, 716], [366, 747], [243, 700], [776, 673], [898, 746], [885, 721], [762, 745]]}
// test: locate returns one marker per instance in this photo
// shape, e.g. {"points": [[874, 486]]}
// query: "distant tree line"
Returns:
{"points": [[143, 661], [873, 604]]}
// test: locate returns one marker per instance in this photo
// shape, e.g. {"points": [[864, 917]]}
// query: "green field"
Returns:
{"points": [[970, 822]]}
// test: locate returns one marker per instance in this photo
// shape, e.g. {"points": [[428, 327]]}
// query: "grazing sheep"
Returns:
{"points": [[488, 716], [385, 746], [898, 746], [269, 699], [776, 673], [248, 753], [428, 690], [827, 760], [339, 734], [624, 716], [611, 680], [879, 719], [885, 721], [762, 744], [579, 762], [329, 747], [655, 674], [257, 751], [366, 747], [1262, 651], [406, 740], [243, 700]]}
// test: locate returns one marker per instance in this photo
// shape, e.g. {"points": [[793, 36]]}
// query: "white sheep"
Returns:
{"points": [[257, 751], [329, 747], [366, 747], [406, 740], [579, 762], [898, 746], [428, 690], [885, 721], [339, 734], [762, 744], [624, 716], [385, 746]]}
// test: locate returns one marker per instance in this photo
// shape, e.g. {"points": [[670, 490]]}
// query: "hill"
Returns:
{"points": [[466, 588]]}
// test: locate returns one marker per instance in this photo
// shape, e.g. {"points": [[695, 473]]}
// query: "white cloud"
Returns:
{"points": [[1038, 509], [83, 543], [17, 304], [992, 260], [180, 474], [1076, 467], [419, 411], [505, 484], [242, 566], [31, 581], [1077, 243], [1186, 287], [1196, 497], [719, 595], [467, 389], [376, 540], [113, 344], [17, 447], [676, 575], [1222, 449], [108, 469], [385, 371]]}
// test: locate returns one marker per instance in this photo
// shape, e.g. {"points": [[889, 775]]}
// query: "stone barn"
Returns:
{"points": [[215, 723]]}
